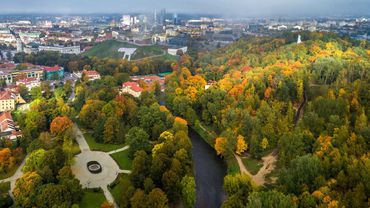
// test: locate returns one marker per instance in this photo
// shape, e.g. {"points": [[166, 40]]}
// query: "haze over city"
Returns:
{"points": [[241, 8]]}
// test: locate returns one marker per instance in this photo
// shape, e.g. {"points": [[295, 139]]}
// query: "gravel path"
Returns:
{"points": [[268, 166]]}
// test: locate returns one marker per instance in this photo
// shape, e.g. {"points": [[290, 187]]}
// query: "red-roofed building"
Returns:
{"points": [[150, 80], [91, 74], [54, 72], [7, 101], [8, 128], [29, 82], [132, 88]]}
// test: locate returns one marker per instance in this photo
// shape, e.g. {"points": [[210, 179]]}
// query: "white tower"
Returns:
{"points": [[299, 41]]}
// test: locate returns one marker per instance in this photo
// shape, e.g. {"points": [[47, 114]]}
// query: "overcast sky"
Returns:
{"points": [[242, 8]]}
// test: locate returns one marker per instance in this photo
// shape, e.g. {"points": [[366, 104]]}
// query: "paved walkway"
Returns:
{"points": [[15, 177], [119, 150], [81, 139], [110, 168], [109, 196]]}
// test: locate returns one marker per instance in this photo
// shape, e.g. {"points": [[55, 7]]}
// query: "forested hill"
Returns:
{"points": [[309, 102]]}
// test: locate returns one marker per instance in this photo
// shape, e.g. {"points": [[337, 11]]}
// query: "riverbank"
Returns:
{"points": [[209, 170], [209, 137]]}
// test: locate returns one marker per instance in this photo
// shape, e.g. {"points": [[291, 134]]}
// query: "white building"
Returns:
{"points": [[131, 88], [126, 20], [29, 82], [91, 75], [174, 51], [62, 49]]}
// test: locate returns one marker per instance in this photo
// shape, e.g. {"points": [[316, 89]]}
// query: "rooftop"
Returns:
{"points": [[51, 69], [133, 85], [5, 95]]}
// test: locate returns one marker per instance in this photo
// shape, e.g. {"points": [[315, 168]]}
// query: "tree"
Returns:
{"points": [[60, 125], [51, 195], [188, 190], [138, 199], [220, 145], [302, 172], [113, 131], [238, 187], [36, 161], [156, 199], [140, 168], [25, 191], [138, 139], [264, 143], [91, 112], [270, 199], [36, 93], [241, 146]]}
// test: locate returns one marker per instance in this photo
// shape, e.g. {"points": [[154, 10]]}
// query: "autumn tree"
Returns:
{"points": [[220, 145], [188, 190], [61, 126]]}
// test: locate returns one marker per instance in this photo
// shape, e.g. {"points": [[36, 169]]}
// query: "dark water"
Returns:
{"points": [[209, 173]]}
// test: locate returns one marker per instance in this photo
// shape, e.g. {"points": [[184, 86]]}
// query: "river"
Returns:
{"points": [[209, 173]]}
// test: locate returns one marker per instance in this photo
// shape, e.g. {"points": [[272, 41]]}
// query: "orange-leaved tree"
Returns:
{"points": [[60, 125]]}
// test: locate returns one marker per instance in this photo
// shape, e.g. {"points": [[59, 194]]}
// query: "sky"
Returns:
{"points": [[240, 8]]}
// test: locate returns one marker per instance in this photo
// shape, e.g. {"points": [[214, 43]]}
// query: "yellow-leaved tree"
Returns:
{"points": [[241, 145], [264, 143], [220, 145]]}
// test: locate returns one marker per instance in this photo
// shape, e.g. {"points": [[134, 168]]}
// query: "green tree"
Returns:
{"points": [[188, 190], [270, 199], [138, 139]]}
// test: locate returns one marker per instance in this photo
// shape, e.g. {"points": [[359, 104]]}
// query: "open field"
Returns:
{"points": [[92, 199], [94, 146], [122, 160], [109, 49]]}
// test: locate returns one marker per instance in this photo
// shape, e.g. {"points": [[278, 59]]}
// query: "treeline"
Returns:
{"points": [[309, 101], [108, 66]]}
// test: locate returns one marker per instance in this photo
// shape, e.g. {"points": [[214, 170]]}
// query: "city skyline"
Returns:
{"points": [[234, 8]]}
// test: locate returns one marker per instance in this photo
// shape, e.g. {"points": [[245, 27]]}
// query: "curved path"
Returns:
{"points": [[268, 166], [15, 177]]}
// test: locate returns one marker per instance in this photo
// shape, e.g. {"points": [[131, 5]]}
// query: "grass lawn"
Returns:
{"points": [[122, 160], [252, 165], [232, 165], [4, 187], [116, 190], [100, 146], [109, 49], [206, 132], [92, 199]]}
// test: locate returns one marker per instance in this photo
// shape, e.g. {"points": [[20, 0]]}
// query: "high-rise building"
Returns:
{"points": [[162, 17], [126, 20], [175, 19]]}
